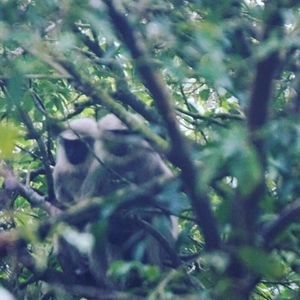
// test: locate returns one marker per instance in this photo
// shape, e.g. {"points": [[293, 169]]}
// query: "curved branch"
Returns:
{"points": [[289, 215], [85, 212], [176, 262], [33, 133], [11, 184], [99, 96], [123, 93], [180, 153], [263, 84], [257, 118]]}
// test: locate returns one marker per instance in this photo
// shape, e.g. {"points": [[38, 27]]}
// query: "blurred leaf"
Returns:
{"points": [[207, 52], [129, 274], [262, 262], [8, 137], [242, 160]]}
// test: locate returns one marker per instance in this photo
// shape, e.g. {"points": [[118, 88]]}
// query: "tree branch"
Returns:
{"points": [[289, 215], [123, 93], [176, 262], [99, 96], [84, 212], [42, 147], [11, 184], [257, 118], [180, 152], [263, 84]]}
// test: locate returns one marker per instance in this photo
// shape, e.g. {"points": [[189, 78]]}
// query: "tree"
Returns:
{"points": [[216, 85]]}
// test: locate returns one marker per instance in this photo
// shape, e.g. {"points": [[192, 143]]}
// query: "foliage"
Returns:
{"points": [[217, 87]]}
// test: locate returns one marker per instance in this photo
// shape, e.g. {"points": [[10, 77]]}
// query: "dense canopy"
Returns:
{"points": [[212, 86]]}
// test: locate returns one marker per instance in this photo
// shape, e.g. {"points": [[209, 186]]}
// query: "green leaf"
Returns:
{"points": [[8, 136], [261, 262]]}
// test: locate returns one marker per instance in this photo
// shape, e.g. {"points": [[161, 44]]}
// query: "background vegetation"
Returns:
{"points": [[217, 87]]}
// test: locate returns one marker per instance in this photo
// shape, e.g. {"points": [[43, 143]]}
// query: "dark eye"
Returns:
{"points": [[118, 148], [76, 150], [118, 142]]}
